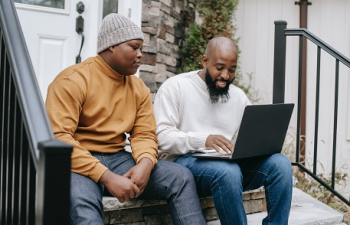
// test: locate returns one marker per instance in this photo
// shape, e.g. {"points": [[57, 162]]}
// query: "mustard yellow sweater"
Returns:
{"points": [[91, 106]]}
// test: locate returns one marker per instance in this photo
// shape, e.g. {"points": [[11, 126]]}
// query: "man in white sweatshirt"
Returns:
{"points": [[203, 110]]}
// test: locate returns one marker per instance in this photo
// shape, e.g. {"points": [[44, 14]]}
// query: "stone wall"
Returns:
{"points": [[142, 212], [163, 24]]}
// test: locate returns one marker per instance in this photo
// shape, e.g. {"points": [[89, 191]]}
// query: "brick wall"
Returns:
{"points": [[163, 24], [142, 212]]}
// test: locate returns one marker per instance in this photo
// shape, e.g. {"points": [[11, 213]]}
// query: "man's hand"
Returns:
{"points": [[120, 187], [219, 143], [140, 173]]}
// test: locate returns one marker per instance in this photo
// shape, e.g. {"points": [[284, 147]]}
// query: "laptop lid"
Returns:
{"points": [[262, 131]]}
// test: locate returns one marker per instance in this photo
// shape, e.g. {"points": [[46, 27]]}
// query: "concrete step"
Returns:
{"points": [[305, 211], [140, 212]]}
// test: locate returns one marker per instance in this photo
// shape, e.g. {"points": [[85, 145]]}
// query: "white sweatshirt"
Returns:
{"points": [[185, 116]]}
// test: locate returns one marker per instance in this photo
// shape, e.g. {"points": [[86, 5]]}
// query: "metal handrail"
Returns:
{"points": [[281, 32], [31, 102], [317, 41], [31, 195]]}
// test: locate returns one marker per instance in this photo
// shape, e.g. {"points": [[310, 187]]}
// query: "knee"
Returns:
{"points": [[186, 176], [84, 190], [179, 175], [229, 175], [282, 165]]}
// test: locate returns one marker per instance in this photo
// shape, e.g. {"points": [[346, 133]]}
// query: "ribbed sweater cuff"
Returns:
{"points": [[97, 172], [146, 155], [198, 140]]}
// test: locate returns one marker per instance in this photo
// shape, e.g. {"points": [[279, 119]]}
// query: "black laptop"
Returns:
{"points": [[262, 132]]}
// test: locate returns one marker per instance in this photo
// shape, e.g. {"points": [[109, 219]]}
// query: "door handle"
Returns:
{"points": [[79, 24], [79, 28]]}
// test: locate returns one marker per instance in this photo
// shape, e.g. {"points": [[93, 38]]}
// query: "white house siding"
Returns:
{"points": [[330, 21]]}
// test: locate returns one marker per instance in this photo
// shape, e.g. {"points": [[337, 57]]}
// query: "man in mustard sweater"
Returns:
{"points": [[93, 105]]}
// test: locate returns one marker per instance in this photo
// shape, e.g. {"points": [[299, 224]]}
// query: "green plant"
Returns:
{"points": [[193, 49], [216, 18]]}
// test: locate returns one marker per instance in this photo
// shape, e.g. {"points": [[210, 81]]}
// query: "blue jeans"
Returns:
{"points": [[168, 181], [225, 180]]}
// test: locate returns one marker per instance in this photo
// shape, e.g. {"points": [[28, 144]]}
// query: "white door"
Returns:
{"points": [[51, 37], [49, 28]]}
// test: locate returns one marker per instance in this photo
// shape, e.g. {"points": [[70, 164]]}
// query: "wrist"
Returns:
{"points": [[104, 177], [146, 163]]}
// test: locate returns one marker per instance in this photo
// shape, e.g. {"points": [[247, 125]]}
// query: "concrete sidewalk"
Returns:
{"points": [[305, 211]]}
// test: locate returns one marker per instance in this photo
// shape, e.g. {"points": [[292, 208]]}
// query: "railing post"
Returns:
{"points": [[53, 189], [279, 65]]}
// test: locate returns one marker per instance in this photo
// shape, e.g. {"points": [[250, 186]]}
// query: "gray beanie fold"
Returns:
{"points": [[115, 30]]}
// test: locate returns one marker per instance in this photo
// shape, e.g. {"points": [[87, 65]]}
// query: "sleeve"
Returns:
{"points": [[171, 139], [63, 104], [143, 138]]}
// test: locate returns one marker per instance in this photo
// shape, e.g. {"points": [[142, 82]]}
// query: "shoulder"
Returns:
{"points": [[76, 72], [136, 83], [134, 79], [177, 81], [137, 88], [181, 77], [73, 79]]}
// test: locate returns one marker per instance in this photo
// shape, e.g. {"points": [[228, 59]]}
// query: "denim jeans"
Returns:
{"points": [[225, 180], [168, 181]]}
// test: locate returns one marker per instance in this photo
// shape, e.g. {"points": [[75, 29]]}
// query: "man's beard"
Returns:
{"points": [[216, 93]]}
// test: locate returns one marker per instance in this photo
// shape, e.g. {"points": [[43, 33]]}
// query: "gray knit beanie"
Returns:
{"points": [[117, 29]]}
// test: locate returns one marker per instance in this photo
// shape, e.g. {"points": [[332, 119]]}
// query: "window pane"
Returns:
{"points": [[109, 6], [58, 4]]}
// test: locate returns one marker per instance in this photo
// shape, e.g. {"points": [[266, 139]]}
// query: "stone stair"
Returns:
{"points": [[142, 212], [305, 211]]}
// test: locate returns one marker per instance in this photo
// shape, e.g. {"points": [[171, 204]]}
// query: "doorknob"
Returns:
{"points": [[79, 28], [80, 7]]}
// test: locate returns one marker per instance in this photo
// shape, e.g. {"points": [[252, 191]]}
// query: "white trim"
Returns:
{"points": [[44, 8]]}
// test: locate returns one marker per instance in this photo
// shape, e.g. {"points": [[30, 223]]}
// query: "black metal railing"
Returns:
{"points": [[34, 166], [281, 32]]}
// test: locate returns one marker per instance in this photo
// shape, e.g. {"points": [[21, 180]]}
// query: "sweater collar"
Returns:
{"points": [[198, 80], [107, 70]]}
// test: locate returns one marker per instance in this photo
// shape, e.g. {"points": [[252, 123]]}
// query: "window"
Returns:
{"points": [[57, 4], [109, 6]]}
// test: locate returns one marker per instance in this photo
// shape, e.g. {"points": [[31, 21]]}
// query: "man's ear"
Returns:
{"points": [[111, 48], [204, 61]]}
